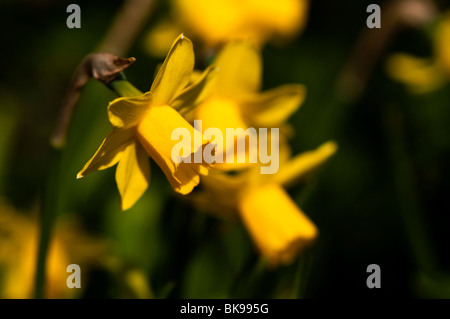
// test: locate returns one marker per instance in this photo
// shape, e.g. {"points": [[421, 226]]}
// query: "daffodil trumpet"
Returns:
{"points": [[251, 146]]}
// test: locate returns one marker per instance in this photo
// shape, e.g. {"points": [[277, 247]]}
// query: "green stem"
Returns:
{"points": [[408, 199], [248, 277], [122, 87], [304, 265], [302, 274], [51, 205]]}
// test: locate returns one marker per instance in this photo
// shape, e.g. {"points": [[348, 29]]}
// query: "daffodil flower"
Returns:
{"points": [[235, 100], [277, 225], [143, 127], [218, 22], [221, 21], [422, 75]]}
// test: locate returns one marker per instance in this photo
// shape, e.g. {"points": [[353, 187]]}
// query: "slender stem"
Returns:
{"points": [[247, 276], [302, 275], [50, 207], [408, 199], [304, 265], [123, 88]]}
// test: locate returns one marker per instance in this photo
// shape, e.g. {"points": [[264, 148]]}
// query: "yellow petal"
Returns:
{"points": [[155, 132], [132, 174], [221, 21], [197, 75], [109, 153], [273, 107], [296, 168], [278, 227], [175, 73], [126, 112], [214, 21], [220, 192], [240, 69], [186, 177], [281, 17], [195, 93], [442, 45], [221, 183], [420, 75], [220, 113]]}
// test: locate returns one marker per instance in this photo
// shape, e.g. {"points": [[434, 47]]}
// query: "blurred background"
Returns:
{"points": [[382, 199]]}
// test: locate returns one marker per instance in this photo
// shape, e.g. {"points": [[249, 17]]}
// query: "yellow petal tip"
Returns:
{"points": [[79, 175], [330, 147], [124, 208]]}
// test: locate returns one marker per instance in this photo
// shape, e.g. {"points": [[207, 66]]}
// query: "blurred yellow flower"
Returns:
{"points": [[277, 225], [422, 75], [143, 127], [235, 100], [19, 238], [221, 21]]}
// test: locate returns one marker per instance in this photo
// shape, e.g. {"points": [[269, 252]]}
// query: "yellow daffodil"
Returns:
{"points": [[143, 127], [422, 75], [235, 100], [19, 247], [277, 225], [220, 21]]}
